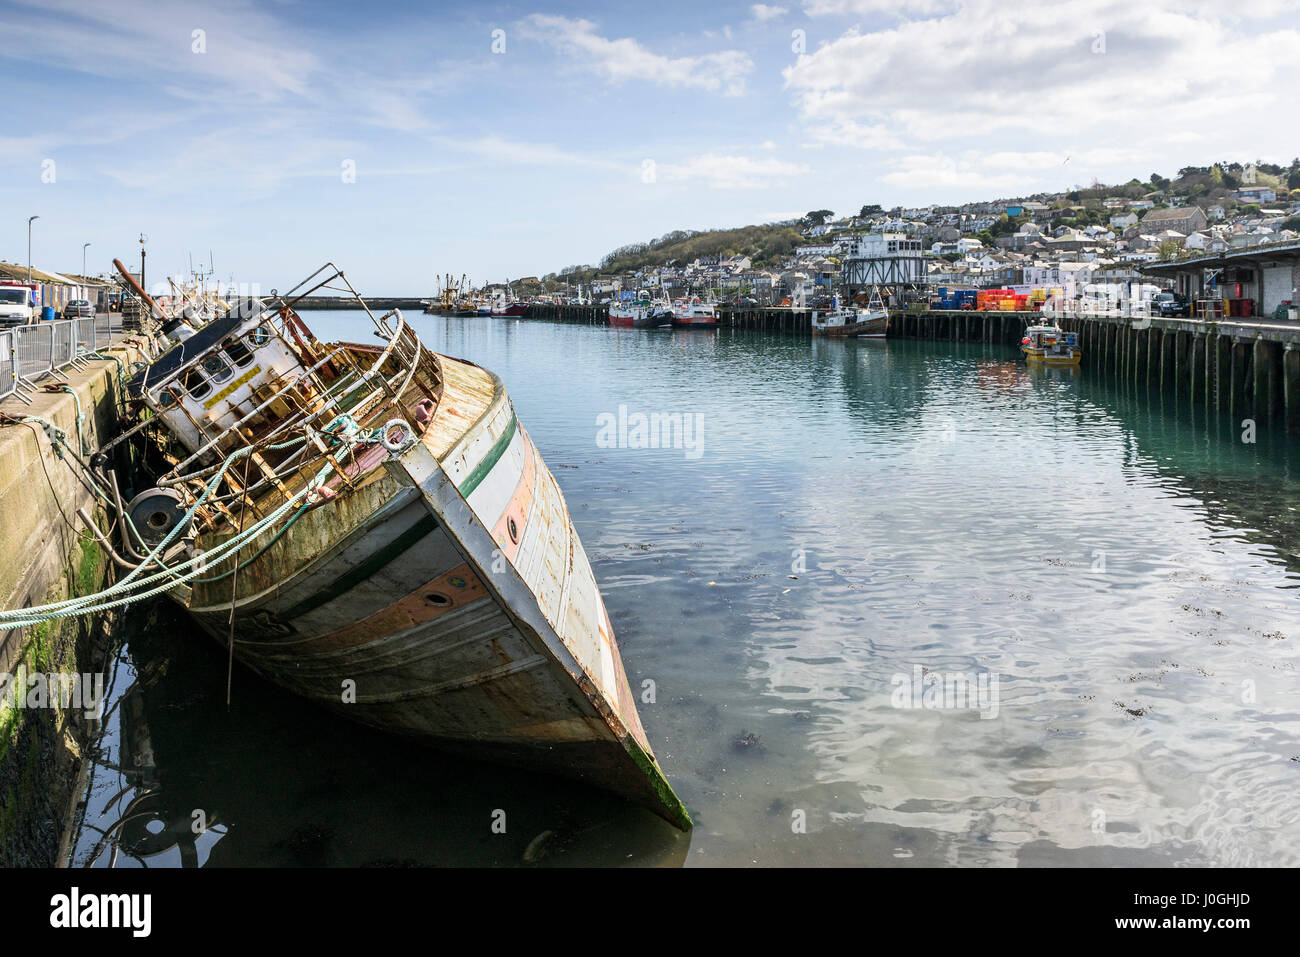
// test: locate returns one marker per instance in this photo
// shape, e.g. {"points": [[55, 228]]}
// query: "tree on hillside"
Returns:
{"points": [[1006, 225], [872, 210], [1159, 182], [818, 217]]}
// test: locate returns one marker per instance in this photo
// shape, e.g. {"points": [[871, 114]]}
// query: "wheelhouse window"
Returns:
{"points": [[216, 368], [238, 353], [195, 385]]}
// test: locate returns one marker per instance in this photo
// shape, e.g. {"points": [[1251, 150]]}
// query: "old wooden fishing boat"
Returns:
{"points": [[849, 322], [390, 540]]}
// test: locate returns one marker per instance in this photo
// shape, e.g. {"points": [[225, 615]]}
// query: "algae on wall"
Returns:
{"points": [[41, 747]]}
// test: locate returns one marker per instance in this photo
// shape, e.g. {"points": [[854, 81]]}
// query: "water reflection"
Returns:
{"points": [[178, 780], [1122, 562]]}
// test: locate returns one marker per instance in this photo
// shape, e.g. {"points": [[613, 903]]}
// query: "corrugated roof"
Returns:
{"points": [[1290, 246]]}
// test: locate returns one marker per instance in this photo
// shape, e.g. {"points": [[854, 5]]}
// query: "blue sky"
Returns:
{"points": [[595, 125]]}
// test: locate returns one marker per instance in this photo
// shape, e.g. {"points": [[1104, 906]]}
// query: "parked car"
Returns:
{"points": [[79, 309], [1170, 305]]}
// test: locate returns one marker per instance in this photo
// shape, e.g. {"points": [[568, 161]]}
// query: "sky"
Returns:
{"points": [[403, 141]]}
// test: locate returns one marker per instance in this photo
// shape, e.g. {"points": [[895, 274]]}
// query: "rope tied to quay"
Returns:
{"points": [[133, 588]]}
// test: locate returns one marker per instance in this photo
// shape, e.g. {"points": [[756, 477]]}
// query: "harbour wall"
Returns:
{"points": [[47, 557], [376, 305]]}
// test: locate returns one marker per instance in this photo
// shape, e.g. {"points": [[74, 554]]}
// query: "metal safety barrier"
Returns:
{"points": [[32, 352], [8, 364]]}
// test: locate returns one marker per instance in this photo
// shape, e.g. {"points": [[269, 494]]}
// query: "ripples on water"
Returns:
{"points": [[860, 510]]}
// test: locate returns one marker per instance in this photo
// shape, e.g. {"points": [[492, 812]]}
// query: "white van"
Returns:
{"points": [[17, 305]]}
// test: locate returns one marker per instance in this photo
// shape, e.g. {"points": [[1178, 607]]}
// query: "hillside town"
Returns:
{"points": [[1048, 240]]}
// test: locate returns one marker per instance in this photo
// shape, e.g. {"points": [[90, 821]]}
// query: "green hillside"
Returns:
{"points": [[765, 245]]}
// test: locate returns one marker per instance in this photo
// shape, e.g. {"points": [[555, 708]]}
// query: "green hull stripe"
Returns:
{"points": [[360, 573], [476, 477]]}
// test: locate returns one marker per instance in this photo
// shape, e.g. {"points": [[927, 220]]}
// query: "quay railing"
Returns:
{"points": [[32, 352]]}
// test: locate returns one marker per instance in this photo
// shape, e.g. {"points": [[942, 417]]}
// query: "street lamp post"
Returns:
{"points": [[30, 220], [83, 259]]}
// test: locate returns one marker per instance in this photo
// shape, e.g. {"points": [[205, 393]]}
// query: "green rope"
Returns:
{"points": [[39, 614], [81, 420], [81, 605], [274, 538]]}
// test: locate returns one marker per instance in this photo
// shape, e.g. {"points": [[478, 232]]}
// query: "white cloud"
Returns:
{"points": [[818, 8], [626, 59], [731, 172], [978, 68], [763, 11], [845, 132], [248, 53], [930, 172]]}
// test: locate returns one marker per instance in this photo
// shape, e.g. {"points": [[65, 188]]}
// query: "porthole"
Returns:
{"points": [[437, 599], [513, 529]]}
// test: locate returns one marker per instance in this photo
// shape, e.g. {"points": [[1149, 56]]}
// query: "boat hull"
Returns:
{"points": [[448, 599], [695, 322], [1037, 357], [874, 328], [637, 322]]}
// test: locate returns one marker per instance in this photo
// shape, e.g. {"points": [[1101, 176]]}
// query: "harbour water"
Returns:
{"points": [[827, 529]]}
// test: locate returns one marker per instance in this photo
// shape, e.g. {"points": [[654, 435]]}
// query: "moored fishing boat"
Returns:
{"points": [[842, 321], [503, 307], [1050, 345], [638, 313], [371, 527], [694, 313]]}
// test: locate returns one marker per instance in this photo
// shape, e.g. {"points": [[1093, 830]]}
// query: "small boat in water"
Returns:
{"points": [[849, 322], [1050, 345], [508, 307], [371, 527], [694, 313]]}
